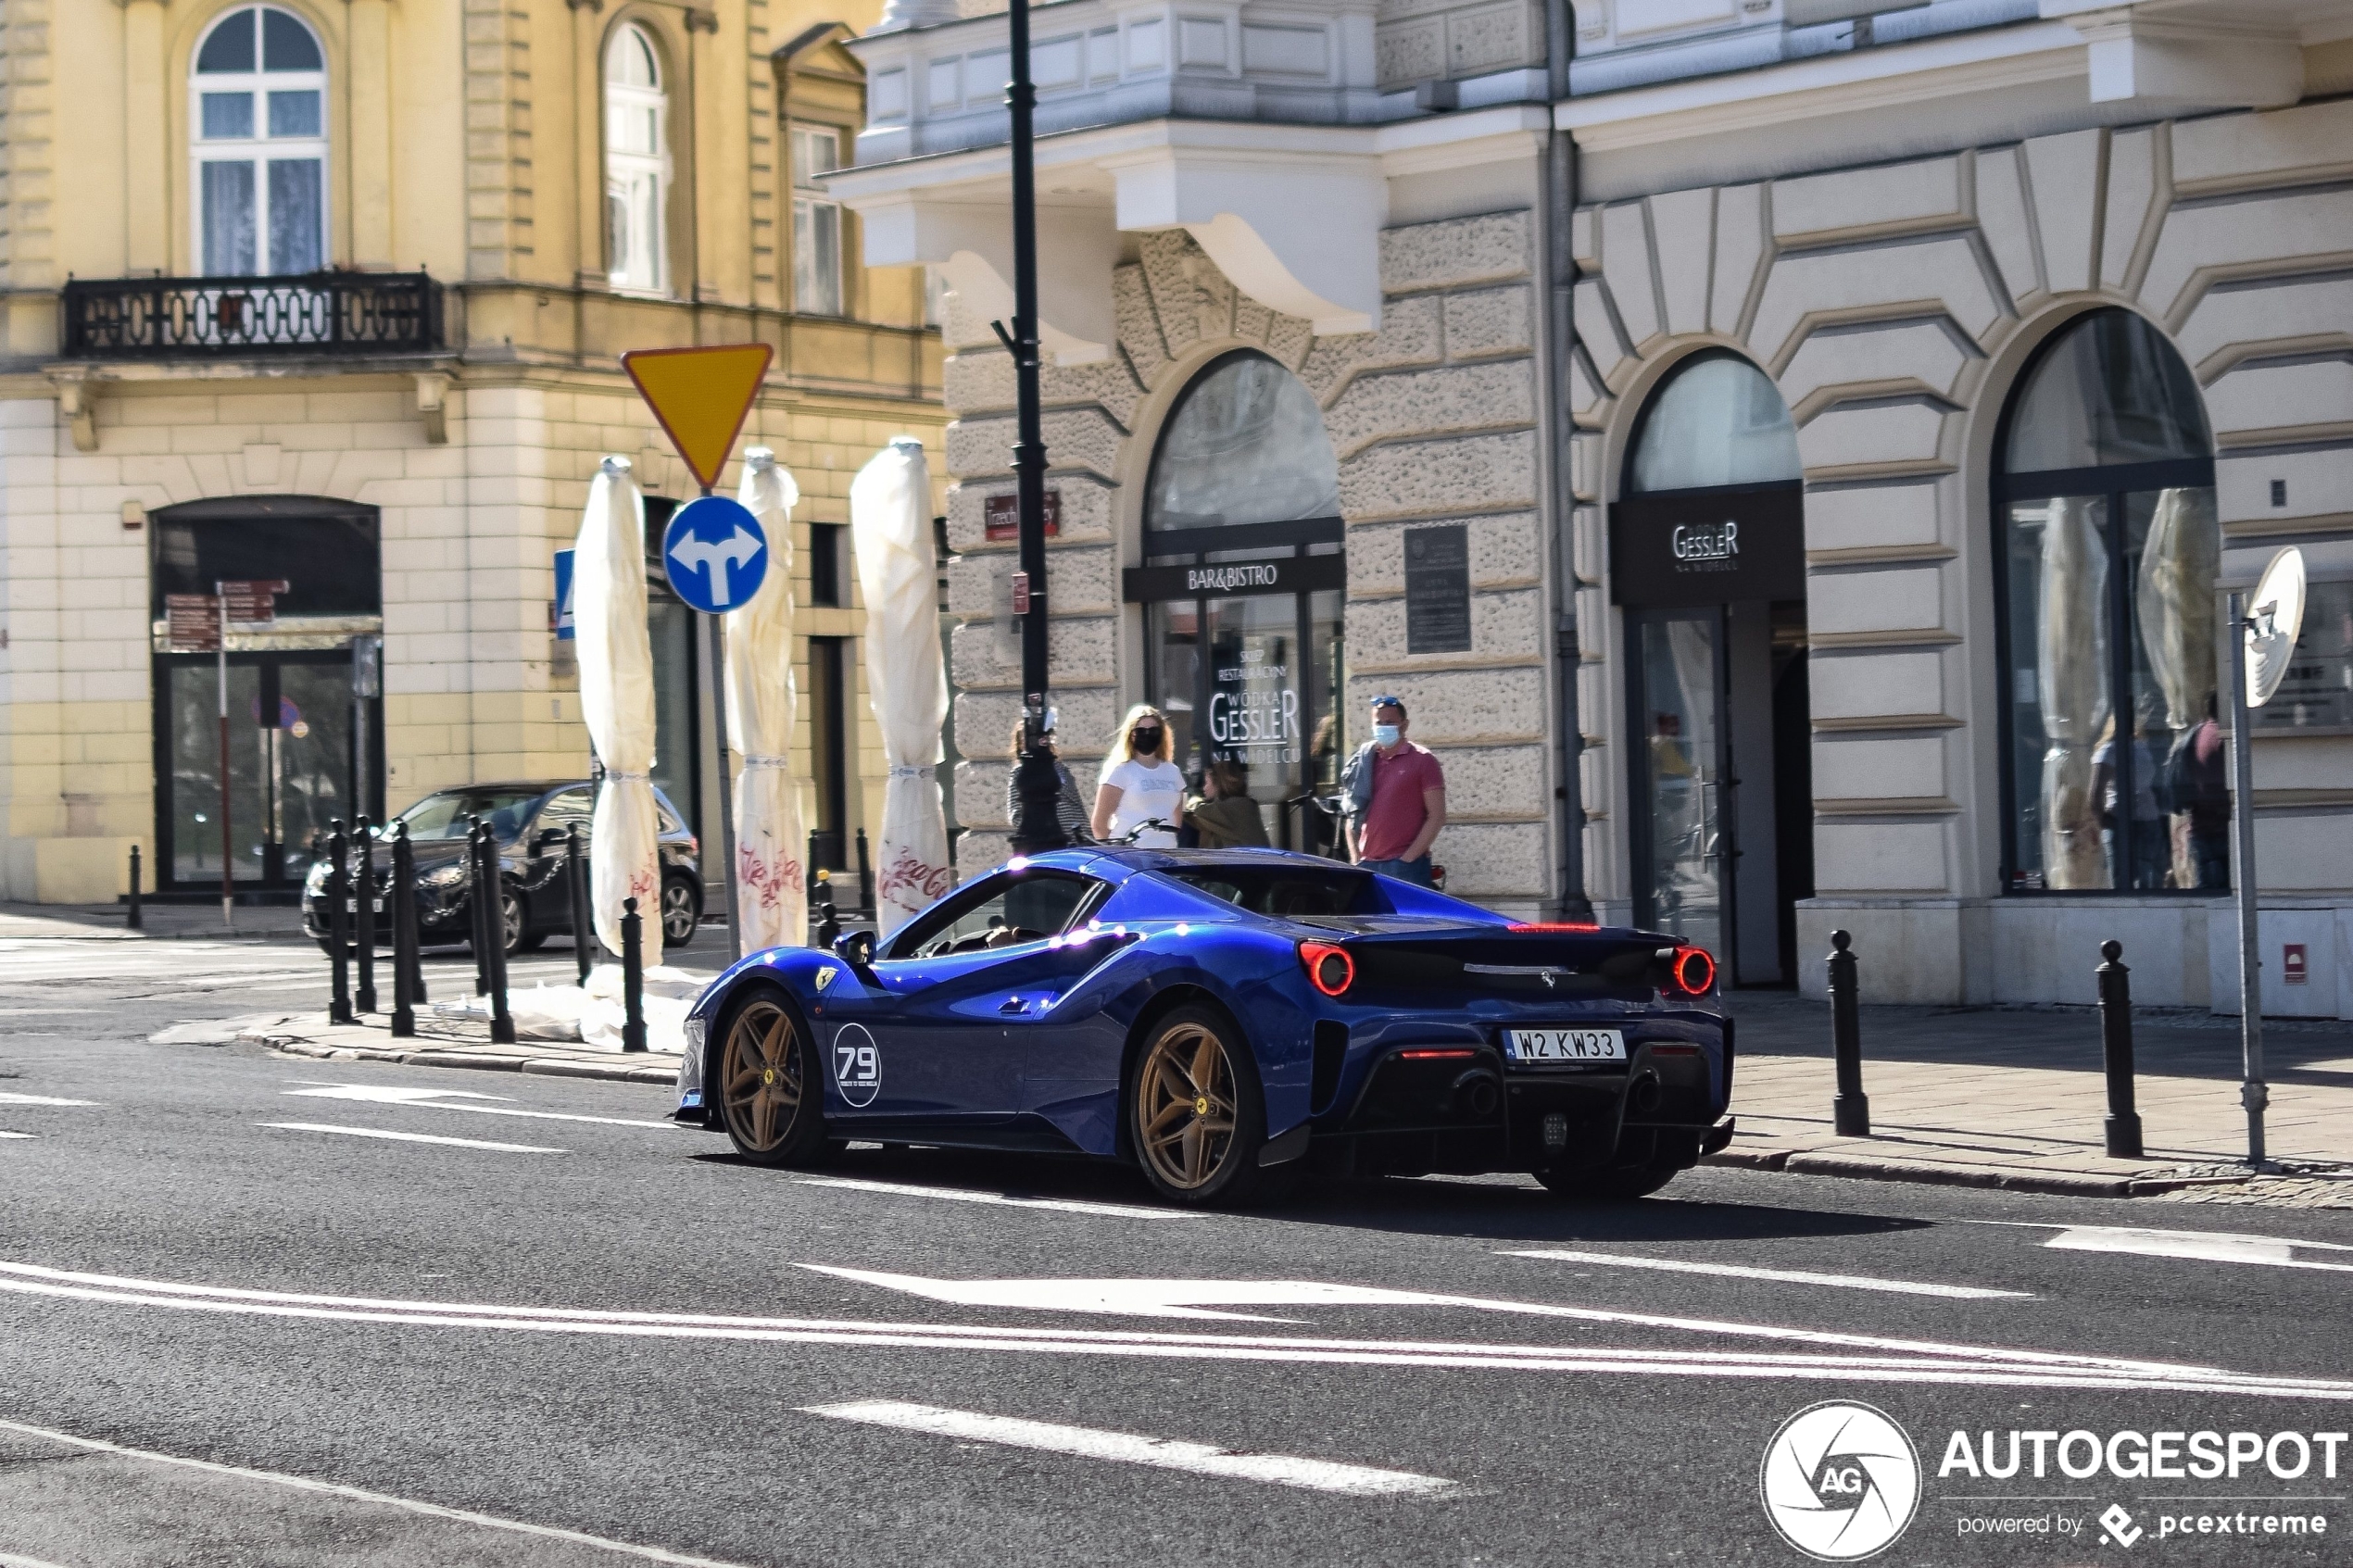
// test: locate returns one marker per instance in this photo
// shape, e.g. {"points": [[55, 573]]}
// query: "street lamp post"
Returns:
{"points": [[1036, 825]]}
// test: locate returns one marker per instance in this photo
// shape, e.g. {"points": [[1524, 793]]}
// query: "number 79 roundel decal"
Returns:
{"points": [[857, 1065]]}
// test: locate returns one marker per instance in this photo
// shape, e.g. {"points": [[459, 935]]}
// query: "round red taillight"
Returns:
{"points": [[1329, 969], [1695, 971]]}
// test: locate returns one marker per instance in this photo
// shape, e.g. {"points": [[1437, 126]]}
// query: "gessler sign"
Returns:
{"points": [[1707, 548]]}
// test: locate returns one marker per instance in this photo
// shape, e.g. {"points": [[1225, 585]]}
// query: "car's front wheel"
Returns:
{"points": [[681, 912], [770, 1091], [1197, 1120]]}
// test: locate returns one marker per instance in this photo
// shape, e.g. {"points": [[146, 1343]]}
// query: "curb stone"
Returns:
{"points": [[662, 1069]]}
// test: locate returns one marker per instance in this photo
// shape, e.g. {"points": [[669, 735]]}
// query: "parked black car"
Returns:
{"points": [[532, 820]]}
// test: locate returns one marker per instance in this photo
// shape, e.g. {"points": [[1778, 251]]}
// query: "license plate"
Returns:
{"points": [[1565, 1045], [351, 906]]}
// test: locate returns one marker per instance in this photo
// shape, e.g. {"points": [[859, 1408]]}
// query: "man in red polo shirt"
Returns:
{"points": [[1407, 802]]}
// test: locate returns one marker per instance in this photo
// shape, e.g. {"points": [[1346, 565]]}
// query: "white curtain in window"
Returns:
{"points": [[617, 702], [890, 520], [637, 161], [771, 844], [258, 140]]}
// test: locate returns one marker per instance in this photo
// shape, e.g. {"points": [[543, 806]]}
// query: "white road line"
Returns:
{"points": [[428, 1099], [1901, 1361], [40, 1099], [10, 1560], [1124, 1448], [1786, 1276], [2202, 1247], [15, 1134], [963, 1194], [357, 1494], [407, 1138]]}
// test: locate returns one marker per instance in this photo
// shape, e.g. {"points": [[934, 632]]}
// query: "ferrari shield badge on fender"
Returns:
{"points": [[825, 977]]}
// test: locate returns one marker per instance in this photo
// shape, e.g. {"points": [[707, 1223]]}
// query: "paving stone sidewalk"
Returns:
{"points": [[439, 1042], [2016, 1099]]}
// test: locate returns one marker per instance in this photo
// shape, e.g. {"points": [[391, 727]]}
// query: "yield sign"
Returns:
{"points": [[700, 396]]}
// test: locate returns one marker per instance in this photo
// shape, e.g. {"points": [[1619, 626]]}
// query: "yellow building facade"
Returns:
{"points": [[332, 292]]}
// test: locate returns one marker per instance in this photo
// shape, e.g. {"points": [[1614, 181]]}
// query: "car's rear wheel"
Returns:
{"points": [[770, 1095], [1616, 1183], [1197, 1121], [681, 912]]}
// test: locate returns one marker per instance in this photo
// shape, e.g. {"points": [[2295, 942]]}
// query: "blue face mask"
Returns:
{"points": [[1386, 735]]}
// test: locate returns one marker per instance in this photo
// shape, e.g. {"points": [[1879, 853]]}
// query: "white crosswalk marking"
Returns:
{"points": [[1126, 1448], [407, 1138], [1785, 1276]]}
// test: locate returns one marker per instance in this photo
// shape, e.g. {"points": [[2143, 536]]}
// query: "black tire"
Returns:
{"points": [[1619, 1184], [518, 918], [767, 1080], [1191, 1066], [681, 912]]}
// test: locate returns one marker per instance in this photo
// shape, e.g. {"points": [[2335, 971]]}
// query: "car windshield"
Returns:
{"points": [[1288, 891], [448, 814]]}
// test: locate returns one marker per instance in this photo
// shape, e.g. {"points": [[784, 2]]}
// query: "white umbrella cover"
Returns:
{"points": [[772, 891], [890, 523], [617, 700]]}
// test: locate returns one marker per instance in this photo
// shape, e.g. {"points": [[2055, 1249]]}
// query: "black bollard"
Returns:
{"points": [[865, 876], [338, 927], [363, 913], [2116, 1045], [493, 882], [632, 977], [583, 919], [134, 920], [404, 933], [1851, 1111], [828, 918], [478, 904]]}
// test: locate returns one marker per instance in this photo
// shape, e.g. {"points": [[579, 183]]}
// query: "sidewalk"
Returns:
{"points": [[257, 922], [2016, 1099], [439, 1042]]}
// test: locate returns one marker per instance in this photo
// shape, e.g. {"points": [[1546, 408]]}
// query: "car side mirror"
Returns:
{"points": [[856, 948]]}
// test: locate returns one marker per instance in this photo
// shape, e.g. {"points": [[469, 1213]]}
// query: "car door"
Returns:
{"points": [[948, 985]]}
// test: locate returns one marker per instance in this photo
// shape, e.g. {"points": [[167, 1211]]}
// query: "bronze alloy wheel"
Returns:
{"points": [[1187, 1107], [762, 1080]]}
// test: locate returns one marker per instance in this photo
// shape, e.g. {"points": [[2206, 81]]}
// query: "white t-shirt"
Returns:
{"points": [[1146, 790]]}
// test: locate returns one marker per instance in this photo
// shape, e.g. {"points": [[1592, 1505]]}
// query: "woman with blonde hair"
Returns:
{"points": [[1140, 783]]}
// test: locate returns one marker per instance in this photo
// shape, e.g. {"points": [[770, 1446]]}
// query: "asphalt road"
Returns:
{"points": [[263, 1310]]}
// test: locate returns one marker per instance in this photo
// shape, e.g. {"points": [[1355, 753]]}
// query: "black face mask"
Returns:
{"points": [[1146, 742]]}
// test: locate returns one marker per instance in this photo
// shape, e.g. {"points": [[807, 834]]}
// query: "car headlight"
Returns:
{"points": [[446, 877]]}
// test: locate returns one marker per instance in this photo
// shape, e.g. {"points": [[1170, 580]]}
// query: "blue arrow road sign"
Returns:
{"points": [[715, 553], [564, 622]]}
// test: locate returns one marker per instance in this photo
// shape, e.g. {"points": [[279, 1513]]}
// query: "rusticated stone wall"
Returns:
{"points": [[1433, 419]]}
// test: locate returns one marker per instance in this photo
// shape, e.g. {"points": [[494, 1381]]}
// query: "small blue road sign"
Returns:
{"points": [[564, 622], [715, 553]]}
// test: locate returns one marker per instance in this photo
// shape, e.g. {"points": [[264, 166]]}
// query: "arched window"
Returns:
{"points": [[636, 162], [2115, 771], [1719, 421], [258, 103], [1246, 445], [1242, 583]]}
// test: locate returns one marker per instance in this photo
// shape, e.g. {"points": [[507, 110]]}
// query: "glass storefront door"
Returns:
{"points": [[291, 761], [1679, 684]]}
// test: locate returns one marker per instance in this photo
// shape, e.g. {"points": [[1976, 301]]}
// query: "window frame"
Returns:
{"points": [[2111, 485], [809, 200], [622, 169], [259, 150], [940, 916]]}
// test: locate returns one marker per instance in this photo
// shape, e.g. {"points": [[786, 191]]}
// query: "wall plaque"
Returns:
{"points": [[1001, 515], [1438, 618]]}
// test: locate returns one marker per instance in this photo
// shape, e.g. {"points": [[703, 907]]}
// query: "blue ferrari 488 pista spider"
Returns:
{"points": [[1220, 1019]]}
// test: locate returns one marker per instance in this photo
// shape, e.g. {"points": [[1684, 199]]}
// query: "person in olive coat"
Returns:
{"points": [[1224, 814]]}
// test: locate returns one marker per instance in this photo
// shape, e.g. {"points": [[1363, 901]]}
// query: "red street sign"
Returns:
{"points": [[2293, 969], [1021, 593], [193, 622], [1001, 516], [254, 602]]}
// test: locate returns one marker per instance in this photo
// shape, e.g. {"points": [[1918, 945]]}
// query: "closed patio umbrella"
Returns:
{"points": [[617, 701], [2074, 689], [890, 523], [2175, 596], [771, 887]]}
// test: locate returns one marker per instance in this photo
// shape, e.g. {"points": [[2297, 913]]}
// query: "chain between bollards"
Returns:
{"points": [[363, 915], [406, 970], [338, 925], [632, 977], [134, 921], [2116, 1050], [584, 920], [1851, 1111]]}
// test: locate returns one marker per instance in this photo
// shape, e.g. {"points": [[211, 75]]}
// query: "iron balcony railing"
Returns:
{"points": [[199, 318]]}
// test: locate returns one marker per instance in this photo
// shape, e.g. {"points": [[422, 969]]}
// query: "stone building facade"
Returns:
{"points": [[335, 294], [1850, 415]]}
